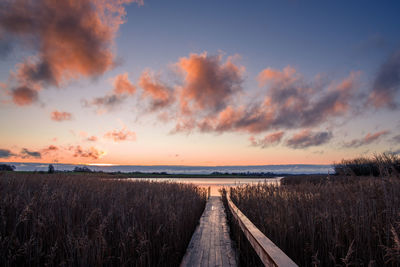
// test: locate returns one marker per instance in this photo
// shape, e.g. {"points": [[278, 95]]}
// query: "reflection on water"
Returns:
{"points": [[214, 183]]}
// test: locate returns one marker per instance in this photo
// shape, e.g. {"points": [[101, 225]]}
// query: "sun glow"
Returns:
{"points": [[101, 164]]}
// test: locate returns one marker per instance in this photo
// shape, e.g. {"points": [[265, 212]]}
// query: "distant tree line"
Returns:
{"points": [[6, 167]]}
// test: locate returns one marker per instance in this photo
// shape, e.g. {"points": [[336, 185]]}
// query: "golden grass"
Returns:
{"points": [[78, 221]]}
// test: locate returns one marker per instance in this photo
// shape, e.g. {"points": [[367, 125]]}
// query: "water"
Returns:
{"points": [[215, 183], [278, 169]]}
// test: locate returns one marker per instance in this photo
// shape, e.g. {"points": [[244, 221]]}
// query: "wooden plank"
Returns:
{"points": [[210, 244], [268, 252]]}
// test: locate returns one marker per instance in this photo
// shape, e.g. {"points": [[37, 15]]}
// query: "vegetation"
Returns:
{"points": [[82, 169], [59, 219], [385, 164], [326, 220], [6, 167]]}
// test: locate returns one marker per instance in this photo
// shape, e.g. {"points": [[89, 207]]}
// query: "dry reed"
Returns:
{"points": [[58, 219], [335, 223]]}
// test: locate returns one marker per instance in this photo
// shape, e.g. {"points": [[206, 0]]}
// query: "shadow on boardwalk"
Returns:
{"points": [[210, 244]]}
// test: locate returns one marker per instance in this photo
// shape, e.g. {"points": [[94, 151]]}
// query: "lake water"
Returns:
{"points": [[215, 183]]}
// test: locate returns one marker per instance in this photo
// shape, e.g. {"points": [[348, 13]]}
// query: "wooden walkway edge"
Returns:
{"points": [[211, 244], [269, 253]]}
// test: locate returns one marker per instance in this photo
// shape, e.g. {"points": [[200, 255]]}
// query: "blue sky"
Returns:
{"points": [[321, 45]]}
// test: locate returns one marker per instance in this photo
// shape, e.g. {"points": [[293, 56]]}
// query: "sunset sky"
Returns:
{"points": [[187, 82]]}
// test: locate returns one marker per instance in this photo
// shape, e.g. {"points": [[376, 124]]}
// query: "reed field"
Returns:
{"points": [[59, 219], [335, 221]]}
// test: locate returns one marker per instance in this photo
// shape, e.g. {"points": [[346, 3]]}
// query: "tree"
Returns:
{"points": [[51, 168], [5, 167]]}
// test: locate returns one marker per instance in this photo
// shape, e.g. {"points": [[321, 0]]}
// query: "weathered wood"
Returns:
{"points": [[210, 244], [268, 252]]}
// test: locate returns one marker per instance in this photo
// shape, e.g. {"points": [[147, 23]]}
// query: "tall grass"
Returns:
{"points": [[384, 164], [335, 223], [76, 221]]}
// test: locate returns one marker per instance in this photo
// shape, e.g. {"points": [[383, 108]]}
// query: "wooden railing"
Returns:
{"points": [[268, 252]]}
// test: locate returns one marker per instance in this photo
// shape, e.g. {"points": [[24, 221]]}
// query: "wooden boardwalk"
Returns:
{"points": [[211, 244]]}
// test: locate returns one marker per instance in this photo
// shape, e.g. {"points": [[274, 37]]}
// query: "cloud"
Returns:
{"points": [[268, 140], [122, 85], [209, 84], [91, 152], [49, 149], [5, 153], [92, 138], [25, 153], [121, 135], [387, 83], [122, 88], [69, 39], [160, 94], [396, 139], [290, 102], [368, 139], [60, 116], [105, 103], [306, 138], [24, 95]]}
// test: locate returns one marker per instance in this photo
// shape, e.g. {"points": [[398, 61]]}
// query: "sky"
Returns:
{"points": [[208, 83]]}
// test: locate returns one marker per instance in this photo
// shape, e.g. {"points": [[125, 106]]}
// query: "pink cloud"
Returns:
{"points": [[290, 102], [121, 135], [209, 84], [61, 116], [73, 38], [122, 85], [369, 138], [92, 138], [92, 152], [160, 94], [268, 140], [23, 96], [306, 138]]}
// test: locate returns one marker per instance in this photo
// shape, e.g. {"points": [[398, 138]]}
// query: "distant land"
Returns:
{"points": [[188, 170]]}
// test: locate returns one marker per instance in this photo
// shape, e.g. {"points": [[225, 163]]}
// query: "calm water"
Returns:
{"points": [[215, 183]]}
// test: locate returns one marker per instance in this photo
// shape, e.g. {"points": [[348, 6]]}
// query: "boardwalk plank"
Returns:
{"points": [[211, 244]]}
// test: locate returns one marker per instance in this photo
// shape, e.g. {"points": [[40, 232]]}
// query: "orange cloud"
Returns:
{"points": [[209, 84], [121, 135], [60, 116], [289, 102], [23, 96], [122, 85], [271, 75], [73, 38], [92, 152], [160, 94]]}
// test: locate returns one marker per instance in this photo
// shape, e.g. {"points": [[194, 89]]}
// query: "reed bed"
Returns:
{"points": [[65, 220], [336, 223], [380, 165]]}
